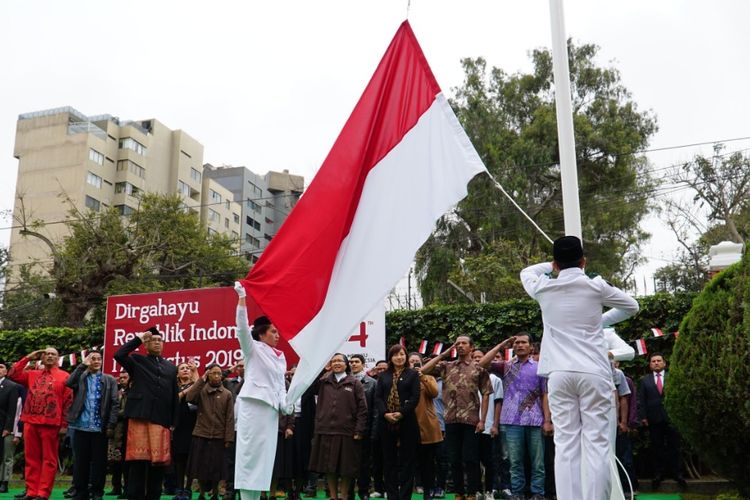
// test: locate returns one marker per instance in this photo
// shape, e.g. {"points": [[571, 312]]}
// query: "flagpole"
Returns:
{"points": [[565, 136]]}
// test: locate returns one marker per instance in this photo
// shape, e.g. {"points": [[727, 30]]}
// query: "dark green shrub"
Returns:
{"points": [[709, 388]]}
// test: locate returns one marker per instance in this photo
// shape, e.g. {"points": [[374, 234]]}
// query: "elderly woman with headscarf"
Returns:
{"points": [[340, 422]]}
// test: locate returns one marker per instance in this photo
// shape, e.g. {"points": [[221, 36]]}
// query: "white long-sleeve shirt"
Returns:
{"points": [[572, 306]]}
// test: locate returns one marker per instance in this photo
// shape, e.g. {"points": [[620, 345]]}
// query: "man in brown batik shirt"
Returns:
{"points": [[463, 380]]}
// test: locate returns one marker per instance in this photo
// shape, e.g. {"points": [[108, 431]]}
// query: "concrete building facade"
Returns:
{"points": [[265, 200], [99, 161]]}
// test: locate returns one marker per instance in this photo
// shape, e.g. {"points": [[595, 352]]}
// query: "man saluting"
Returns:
{"points": [[151, 410], [574, 358]]}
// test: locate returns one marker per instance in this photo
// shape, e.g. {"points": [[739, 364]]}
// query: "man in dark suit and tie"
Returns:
{"points": [[9, 394], [151, 410], [665, 441]]}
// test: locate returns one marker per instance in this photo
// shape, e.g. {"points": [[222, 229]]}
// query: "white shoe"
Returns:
{"points": [[420, 490], [376, 494]]}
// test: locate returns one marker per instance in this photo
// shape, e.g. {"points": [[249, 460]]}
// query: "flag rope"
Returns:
{"points": [[502, 190]]}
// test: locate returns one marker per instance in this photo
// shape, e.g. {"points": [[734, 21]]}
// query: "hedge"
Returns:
{"points": [[709, 393]]}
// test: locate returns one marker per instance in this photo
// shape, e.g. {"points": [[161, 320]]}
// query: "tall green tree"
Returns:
{"points": [[161, 246], [511, 120]]}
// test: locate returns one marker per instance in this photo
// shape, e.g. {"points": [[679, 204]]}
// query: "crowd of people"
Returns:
{"points": [[478, 426]]}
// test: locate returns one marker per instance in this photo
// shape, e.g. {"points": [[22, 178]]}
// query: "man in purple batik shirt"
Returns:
{"points": [[525, 413]]}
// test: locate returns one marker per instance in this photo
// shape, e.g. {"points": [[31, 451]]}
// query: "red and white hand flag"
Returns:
{"points": [[423, 347], [657, 332], [508, 355], [400, 162], [640, 344], [437, 349]]}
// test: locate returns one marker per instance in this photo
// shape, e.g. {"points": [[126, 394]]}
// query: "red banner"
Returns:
{"points": [[197, 325]]}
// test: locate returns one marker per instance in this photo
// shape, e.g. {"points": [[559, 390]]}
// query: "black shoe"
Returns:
{"points": [[681, 483], [3, 486], [115, 492], [28, 497], [20, 495], [70, 492]]}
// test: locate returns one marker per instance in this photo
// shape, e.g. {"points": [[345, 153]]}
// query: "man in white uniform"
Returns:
{"points": [[574, 358], [258, 403]]}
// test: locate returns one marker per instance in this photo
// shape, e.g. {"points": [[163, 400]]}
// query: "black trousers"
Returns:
{"points": [[426, 464], [400, 459], [665, 448], [442, 463], [144, 480], [463, 448], [486, 458], [363, 479], [377, 464], [90, 451]]}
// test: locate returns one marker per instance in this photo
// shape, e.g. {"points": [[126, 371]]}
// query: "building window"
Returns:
{"points": [[214, 196], [236, 218], [132, 167], [226, 222], [228, 204], [213, 216], [133, 145], [126, 187], [253, 223], [235, 235], [194, 174], [94, 180], [254, 206], [254, 242], [96, 157], [183, 189], [92, 203], [211, 231], [256, 190], [125, 209]]}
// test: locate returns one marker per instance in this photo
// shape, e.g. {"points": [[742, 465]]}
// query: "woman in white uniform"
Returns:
{"points": [[261, 398]]}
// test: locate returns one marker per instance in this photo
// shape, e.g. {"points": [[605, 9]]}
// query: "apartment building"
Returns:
{"points": [[102, 161], [266, 200]]}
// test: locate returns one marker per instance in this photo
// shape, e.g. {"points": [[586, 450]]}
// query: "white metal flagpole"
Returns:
{"points": [[568, 168]]}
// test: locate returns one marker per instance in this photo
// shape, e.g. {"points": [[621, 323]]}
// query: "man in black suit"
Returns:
{"points": [[151, 410], [9, 394], [665, 441]]}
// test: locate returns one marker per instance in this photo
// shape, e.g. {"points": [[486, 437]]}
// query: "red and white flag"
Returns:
{"points": [[73, 360], [400, 162], [640, 344], [437, 349], [454, 353], [508, 355], [423, 347], [60, 361], [657, 332], [402, 342]]}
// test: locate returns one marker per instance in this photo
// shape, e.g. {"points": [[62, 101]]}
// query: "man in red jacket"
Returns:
{"points": [[43, 416]]}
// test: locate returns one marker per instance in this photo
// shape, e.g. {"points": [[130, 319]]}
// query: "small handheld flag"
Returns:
{"points": [[437, 349], [423, 347], [640, 344], [657, 332]]}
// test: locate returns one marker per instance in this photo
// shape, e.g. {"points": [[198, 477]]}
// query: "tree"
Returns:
{"points": [[162, 246], [511, 122], [719, 210], [709, 395]]}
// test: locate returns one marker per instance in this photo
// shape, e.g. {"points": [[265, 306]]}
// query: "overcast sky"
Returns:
{"points": [[268, 85]]}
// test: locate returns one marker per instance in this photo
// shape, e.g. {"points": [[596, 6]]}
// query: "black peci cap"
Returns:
{"points": [[567, 249], [261, 321]]}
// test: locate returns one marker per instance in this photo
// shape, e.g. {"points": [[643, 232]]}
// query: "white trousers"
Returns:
{"points": [[581, 404], [257, 433]]}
